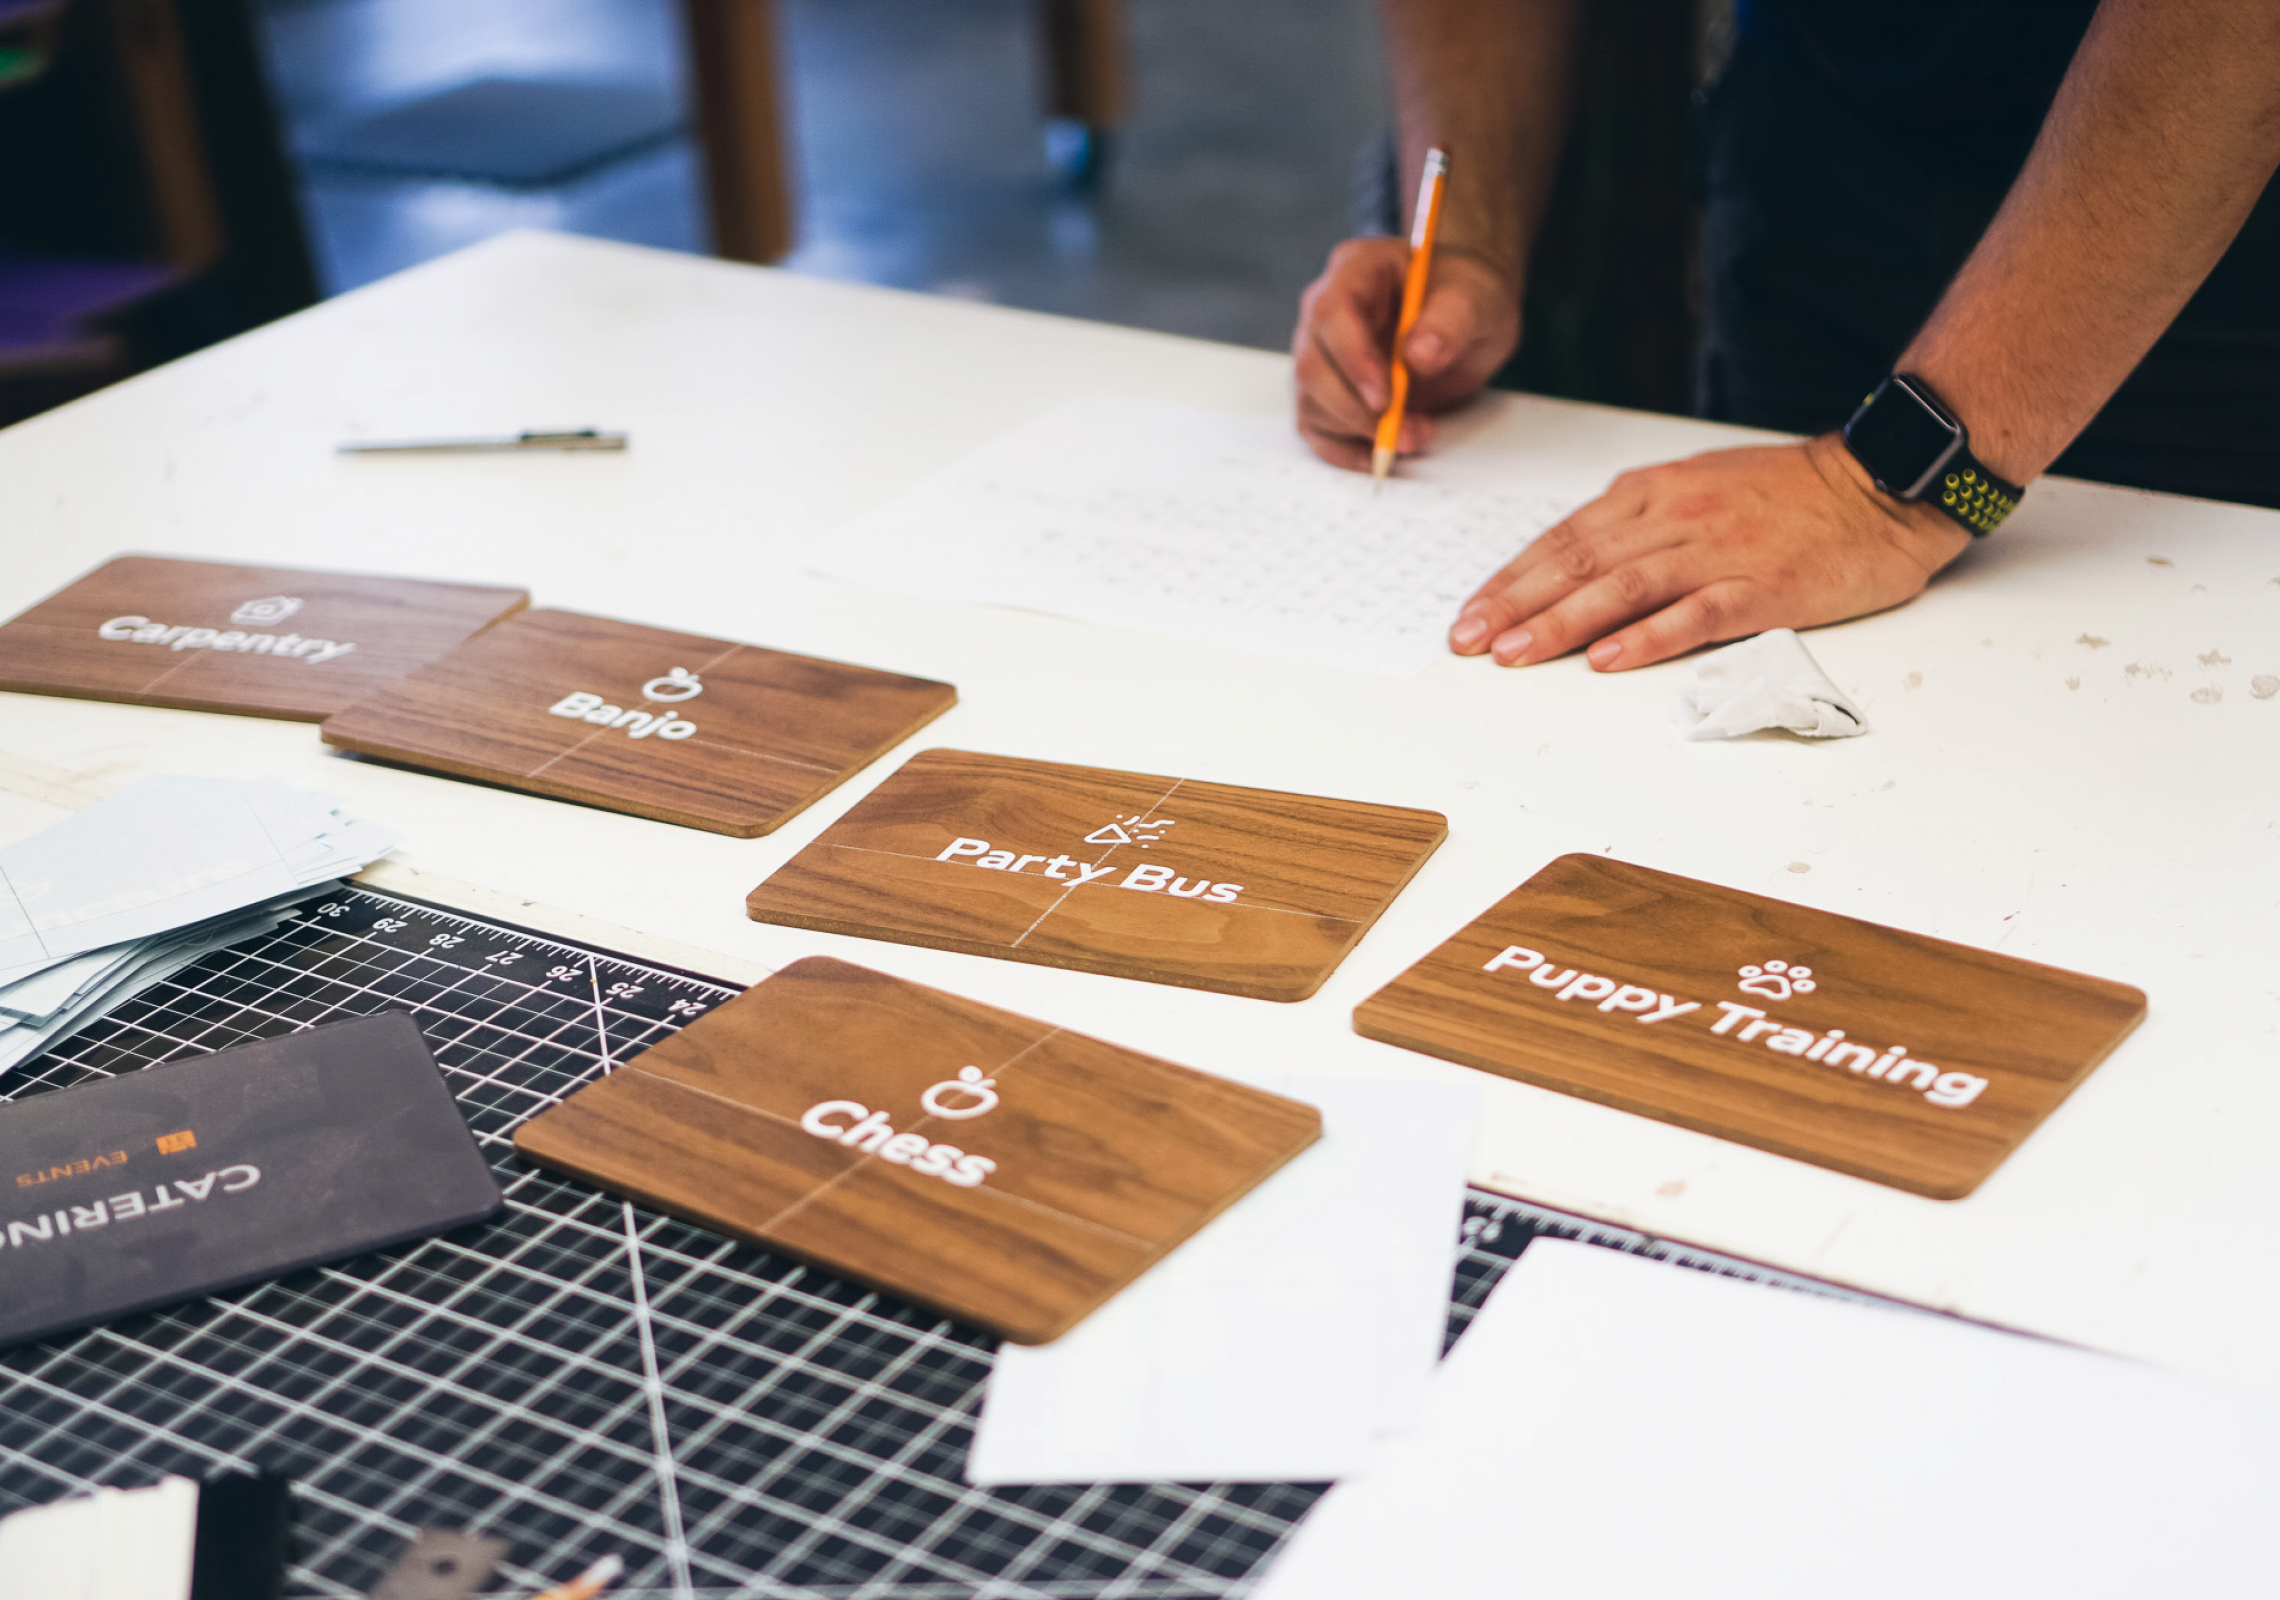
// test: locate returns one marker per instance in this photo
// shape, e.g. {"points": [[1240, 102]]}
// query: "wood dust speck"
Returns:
{"points": [[2093, 641], [2159, 561], [2264, 686], [2216, 658], [1800, 866], [1914, 680], [2074, 683], [2207, 695]]}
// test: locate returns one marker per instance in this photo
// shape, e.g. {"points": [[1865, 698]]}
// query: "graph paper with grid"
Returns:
{"points": [[583, 1376]]}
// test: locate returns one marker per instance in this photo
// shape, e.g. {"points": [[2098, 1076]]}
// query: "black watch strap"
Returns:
{"points": [[1972, 495], [1917, 449]]}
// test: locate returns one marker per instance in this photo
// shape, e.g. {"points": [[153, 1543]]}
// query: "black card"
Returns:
{"points": [[198, 1176]]}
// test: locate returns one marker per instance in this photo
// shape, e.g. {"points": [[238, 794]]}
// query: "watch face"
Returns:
{"points": [[1900, 437]]}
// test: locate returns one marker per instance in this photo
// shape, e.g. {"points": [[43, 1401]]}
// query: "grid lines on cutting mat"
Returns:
{"points": [[495, 1379]]}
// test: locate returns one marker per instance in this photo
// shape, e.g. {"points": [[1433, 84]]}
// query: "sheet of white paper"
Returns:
{"points": [[1208, 527], [114, 1544], [43, 993], [154, 961], [1612, 1428], [70, 983], [162, 853], [1278, 1342]]}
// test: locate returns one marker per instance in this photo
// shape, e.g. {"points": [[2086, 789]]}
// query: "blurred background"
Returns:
{"points": [[173, 172]]}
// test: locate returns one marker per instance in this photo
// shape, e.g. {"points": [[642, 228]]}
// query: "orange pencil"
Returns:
{"points": [[1421, 234], [589, 1583]]}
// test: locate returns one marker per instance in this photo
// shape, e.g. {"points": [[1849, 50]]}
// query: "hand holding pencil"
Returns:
{"points": [[1423, 232], [1458, 327]]}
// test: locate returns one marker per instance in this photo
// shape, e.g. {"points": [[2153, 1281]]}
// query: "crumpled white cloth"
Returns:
{"points": [[1771, 681]]}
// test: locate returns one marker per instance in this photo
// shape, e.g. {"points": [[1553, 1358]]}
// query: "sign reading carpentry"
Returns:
{"points": [[1164, 879], [1894, 1057], [701, 732], [261, 641], [1005, 1171]]}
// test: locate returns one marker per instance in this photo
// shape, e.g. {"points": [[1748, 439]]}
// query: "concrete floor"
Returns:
{"points": [[919, 146]]}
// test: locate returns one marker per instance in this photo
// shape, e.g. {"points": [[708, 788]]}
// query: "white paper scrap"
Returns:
{"points": [[1614, 1428], [1771, 681], [1283, 1338], [1209, 527], [163, 853]]}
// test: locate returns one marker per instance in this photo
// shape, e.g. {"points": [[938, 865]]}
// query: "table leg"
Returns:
{"points": [[740, 124], [1087, 88]]}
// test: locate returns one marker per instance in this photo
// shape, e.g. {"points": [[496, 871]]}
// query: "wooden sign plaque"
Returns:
{"points": [[701, 732], [1005, 1171], [259, 641], [1164, 879], [1906, 1060]]}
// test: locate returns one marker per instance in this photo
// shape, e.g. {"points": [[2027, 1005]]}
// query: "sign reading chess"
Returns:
{"points": [[1884, 1054], [1171, 880], [1007, 1171]]}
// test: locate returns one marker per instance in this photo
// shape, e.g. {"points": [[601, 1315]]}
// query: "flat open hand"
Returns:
{"points": [[1719, 546]]}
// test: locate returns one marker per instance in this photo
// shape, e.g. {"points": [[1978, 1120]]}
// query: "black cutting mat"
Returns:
{"points": [[732, 1423]]}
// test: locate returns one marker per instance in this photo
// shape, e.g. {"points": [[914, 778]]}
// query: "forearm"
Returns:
{"points": [[1490, 81], [2165, 132]]}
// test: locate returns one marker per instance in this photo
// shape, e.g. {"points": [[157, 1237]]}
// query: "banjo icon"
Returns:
{"points": [[678, 685]]}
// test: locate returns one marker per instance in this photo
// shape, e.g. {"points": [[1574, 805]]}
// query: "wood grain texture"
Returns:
{"points": [[765, 735], [1991, 1044], [268, 664], [1246, 891], [1104, 1159]]}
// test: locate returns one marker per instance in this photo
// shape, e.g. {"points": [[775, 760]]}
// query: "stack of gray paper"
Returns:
{"points": [[133, 889]]}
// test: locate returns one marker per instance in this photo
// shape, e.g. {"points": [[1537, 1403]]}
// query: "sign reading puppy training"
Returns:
{"points": [[1170, 880], [1009, 1172], [261, 641], [1887, 1055], [702, 732]]}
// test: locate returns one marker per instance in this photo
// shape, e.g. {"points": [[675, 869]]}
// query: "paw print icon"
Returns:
{"points": [[1776, 980]]}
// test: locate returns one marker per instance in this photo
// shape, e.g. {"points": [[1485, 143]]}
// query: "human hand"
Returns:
{"points": [[1468, 325], [1719, 546]]}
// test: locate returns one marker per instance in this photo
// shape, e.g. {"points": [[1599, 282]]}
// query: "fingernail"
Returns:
{"points": [[1428, 350], [1602, 655], [1469, 631], [1374, 395], [1513, 646]]}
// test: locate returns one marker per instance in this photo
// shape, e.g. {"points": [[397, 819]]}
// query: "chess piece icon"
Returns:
{"points": [[970, 1085]]}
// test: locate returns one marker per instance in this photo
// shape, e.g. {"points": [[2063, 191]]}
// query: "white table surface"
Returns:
{"points": [[2068, 760]]}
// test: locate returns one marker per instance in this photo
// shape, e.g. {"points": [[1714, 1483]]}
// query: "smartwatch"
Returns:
{"points": [[1915, 449]]}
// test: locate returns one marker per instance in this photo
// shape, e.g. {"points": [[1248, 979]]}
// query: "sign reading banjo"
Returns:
{"points": [[1884, 1054], [1009, 1172], [260, 641], [1169, 880], [703, 732]]}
